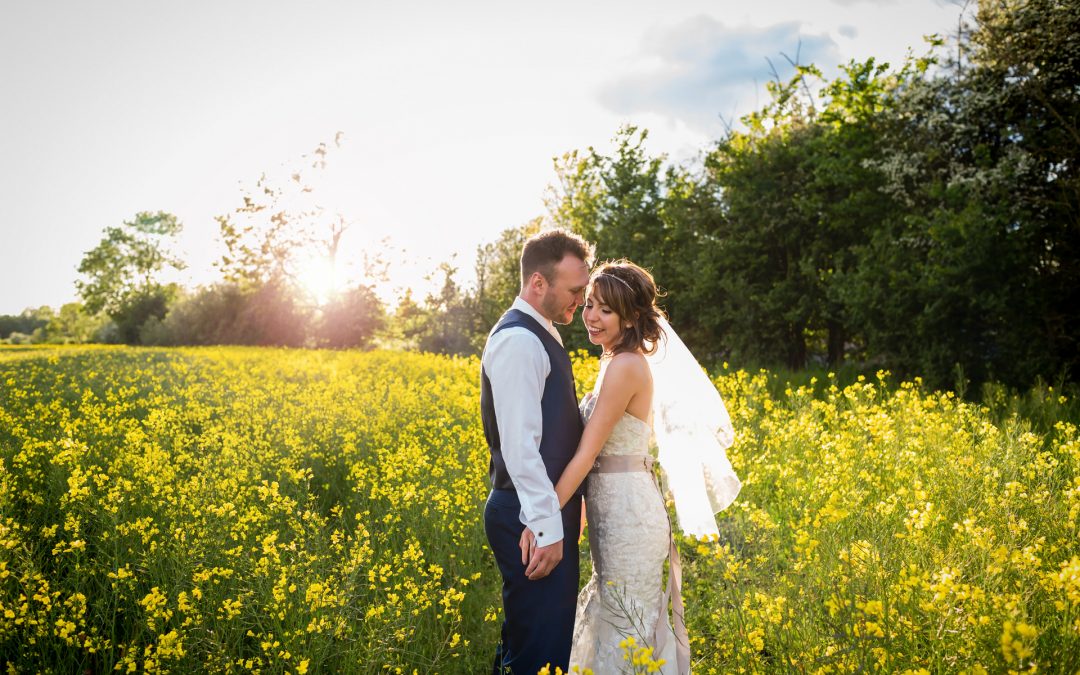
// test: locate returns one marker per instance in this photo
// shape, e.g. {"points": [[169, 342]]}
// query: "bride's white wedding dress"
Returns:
{"points": [[629, 539]]}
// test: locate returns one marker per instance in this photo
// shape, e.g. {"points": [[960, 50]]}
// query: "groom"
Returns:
{"points": [[529, 410]]}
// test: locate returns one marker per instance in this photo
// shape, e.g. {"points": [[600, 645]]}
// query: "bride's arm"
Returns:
{"points": [[622, 381]]}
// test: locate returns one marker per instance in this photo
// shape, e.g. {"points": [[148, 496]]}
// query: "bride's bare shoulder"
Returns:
{"points": [[629, 365]]}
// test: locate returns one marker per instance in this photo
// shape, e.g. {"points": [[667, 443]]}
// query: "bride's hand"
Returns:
{"points": [[581, 532], [527, 544]]}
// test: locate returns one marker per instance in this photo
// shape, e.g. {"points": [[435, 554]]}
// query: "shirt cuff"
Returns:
{"points": [[547, 530]]}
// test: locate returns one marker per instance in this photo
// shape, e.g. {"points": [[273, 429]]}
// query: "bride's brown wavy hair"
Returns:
{"points": [[630, 292]]}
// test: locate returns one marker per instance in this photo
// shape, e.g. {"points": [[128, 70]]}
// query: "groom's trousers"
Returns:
{"points": [[538, 624]]}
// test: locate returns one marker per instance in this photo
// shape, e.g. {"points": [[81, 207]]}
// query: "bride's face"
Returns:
{"points": [[603, 324]]}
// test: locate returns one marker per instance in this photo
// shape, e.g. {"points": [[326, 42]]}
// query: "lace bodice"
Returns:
{"points": [[630, 435]]}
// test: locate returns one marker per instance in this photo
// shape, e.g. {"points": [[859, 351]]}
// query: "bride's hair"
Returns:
{"points": [[631, 293]]}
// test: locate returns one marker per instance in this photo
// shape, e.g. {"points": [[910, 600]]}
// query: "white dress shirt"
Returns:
{"points": [[517, 366]]}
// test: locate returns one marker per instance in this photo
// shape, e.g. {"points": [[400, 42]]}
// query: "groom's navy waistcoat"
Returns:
{"points": [[562, 425]]}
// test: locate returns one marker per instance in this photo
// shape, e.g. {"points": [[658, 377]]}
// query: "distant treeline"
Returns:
{"points": [[923, 218]]}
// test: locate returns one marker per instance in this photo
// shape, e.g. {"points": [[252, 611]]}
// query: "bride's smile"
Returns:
{"points": [[601, 322]]}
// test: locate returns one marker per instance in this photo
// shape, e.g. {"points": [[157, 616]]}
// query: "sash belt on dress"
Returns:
{"points": [[673, 591]]}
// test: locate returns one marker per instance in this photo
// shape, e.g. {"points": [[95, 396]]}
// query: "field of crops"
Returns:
{"points": [[256, 510]]}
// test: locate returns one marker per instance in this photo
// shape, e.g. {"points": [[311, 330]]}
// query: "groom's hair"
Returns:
{"points": [[544, 250]]}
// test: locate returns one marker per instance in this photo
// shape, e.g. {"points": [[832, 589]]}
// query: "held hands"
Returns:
{"points": [[539, 560]]}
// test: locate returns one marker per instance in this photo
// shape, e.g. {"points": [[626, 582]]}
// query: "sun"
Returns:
{"points": [[319, 279]]}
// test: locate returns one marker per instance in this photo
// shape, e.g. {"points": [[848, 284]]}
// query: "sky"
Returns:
{"points": [[450, 113]]}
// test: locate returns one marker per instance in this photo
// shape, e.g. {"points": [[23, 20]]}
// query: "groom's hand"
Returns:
{"points": [[527, 544], [543, 560]]}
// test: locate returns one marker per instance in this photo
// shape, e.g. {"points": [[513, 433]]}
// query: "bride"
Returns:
{"points": [[647, 379]]}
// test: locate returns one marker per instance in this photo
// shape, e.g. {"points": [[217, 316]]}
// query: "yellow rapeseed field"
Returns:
{"points": [[262, 510]]}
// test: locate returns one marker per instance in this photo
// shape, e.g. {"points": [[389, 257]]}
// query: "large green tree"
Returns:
{"points": [[765, 286], [976, 274], [631, 204], [797, 199], [122, 272]]}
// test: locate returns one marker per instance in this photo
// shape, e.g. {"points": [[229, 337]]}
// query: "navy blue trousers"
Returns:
{"points": [[538, 624]]}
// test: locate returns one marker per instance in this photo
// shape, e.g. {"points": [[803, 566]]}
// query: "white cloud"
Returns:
{"points": [[700, 70]]}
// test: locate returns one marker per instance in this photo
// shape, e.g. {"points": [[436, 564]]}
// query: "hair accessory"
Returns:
{"points": [[619, 279]]}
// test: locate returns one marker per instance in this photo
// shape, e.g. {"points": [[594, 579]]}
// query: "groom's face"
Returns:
{"points": [[566, 291]]}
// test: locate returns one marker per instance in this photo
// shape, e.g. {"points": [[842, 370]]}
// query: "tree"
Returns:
{"points": [[498, 276], [25, 323], [613, 201], [121, 272], [629, 206], [72, 325], [449, 325], [766, 290], [279, 235], [230, 314], [407, 322], [279, 226], [1025, 68], [351, 319], [977, 271]]}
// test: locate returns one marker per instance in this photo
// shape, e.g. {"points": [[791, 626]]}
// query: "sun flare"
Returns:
{"points": [[319, 279]]}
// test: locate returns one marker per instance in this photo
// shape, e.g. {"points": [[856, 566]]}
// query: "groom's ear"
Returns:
{"points": [[537, 282]]}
